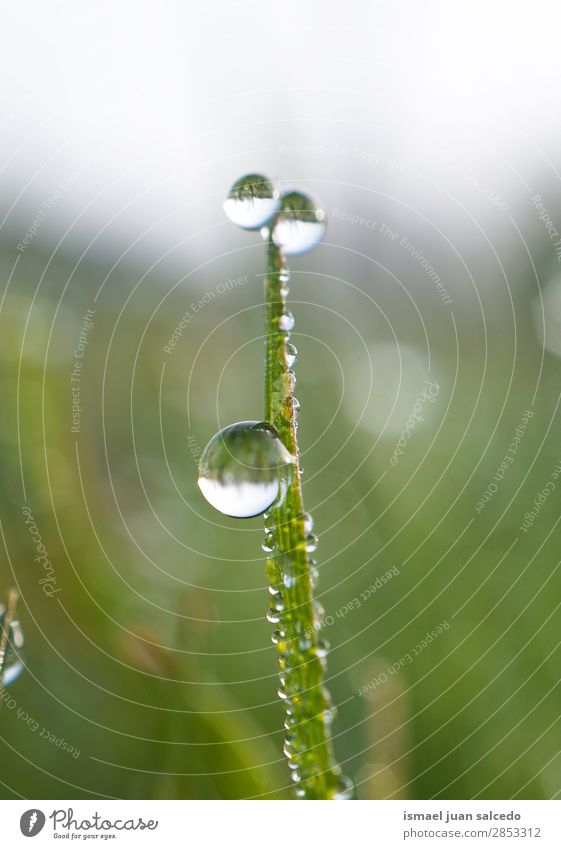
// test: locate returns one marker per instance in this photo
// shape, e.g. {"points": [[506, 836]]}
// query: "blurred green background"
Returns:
{"points": [[154, 657]]}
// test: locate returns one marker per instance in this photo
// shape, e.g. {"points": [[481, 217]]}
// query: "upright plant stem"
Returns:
{"points": [[302, 654]]}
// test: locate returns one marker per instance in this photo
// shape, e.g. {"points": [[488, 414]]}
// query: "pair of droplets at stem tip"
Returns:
{"points": [[242, 469]]}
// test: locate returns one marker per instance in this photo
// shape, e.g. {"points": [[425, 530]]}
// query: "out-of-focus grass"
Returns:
{"points": [[155, 660]]}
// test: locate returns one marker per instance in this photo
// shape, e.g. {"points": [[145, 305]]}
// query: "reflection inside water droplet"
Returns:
{"points": [[299, 226], [242, 468], [252, 201]]}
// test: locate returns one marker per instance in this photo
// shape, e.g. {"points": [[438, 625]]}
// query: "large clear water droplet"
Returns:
{"points": [[242, 468], [252, 201], [299, 226], [12, 666]]}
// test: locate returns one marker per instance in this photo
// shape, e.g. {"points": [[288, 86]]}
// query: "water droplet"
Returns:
{"points": [[283, 278], [288, 747], [322, 648], [286, 322], [311, 542], [308, 523], [296, 405], [305, 642], [314, 574], [319, 611], [290, 354], [292, 381], [277, 602], [299, 226], [345, 790], [329, 715], [241, 469], [273, 616], [13, 666], [289, 580], [252, 202], [268, 544], [277, 637]]}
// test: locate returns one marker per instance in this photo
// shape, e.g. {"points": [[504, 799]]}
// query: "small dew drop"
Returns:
{"points": [[277, 637], [288, 580], [311, 542], [299, 226], [322, 648], [241, 469], [305, 642], [286, 322], [273, 616], [287, 746], [308, 523], [13, 666], [296, 405], [252, 202], [277, 602], [329, 715], [268, 544], [319, 611], [290, 354], [345, 790], [314, 574], [284, 277]]}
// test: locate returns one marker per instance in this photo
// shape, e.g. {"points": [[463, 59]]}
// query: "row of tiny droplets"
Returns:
{"points": [[302, 651]]}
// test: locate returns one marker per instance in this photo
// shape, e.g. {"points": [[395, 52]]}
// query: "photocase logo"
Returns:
{"points": [[32, 822]]}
